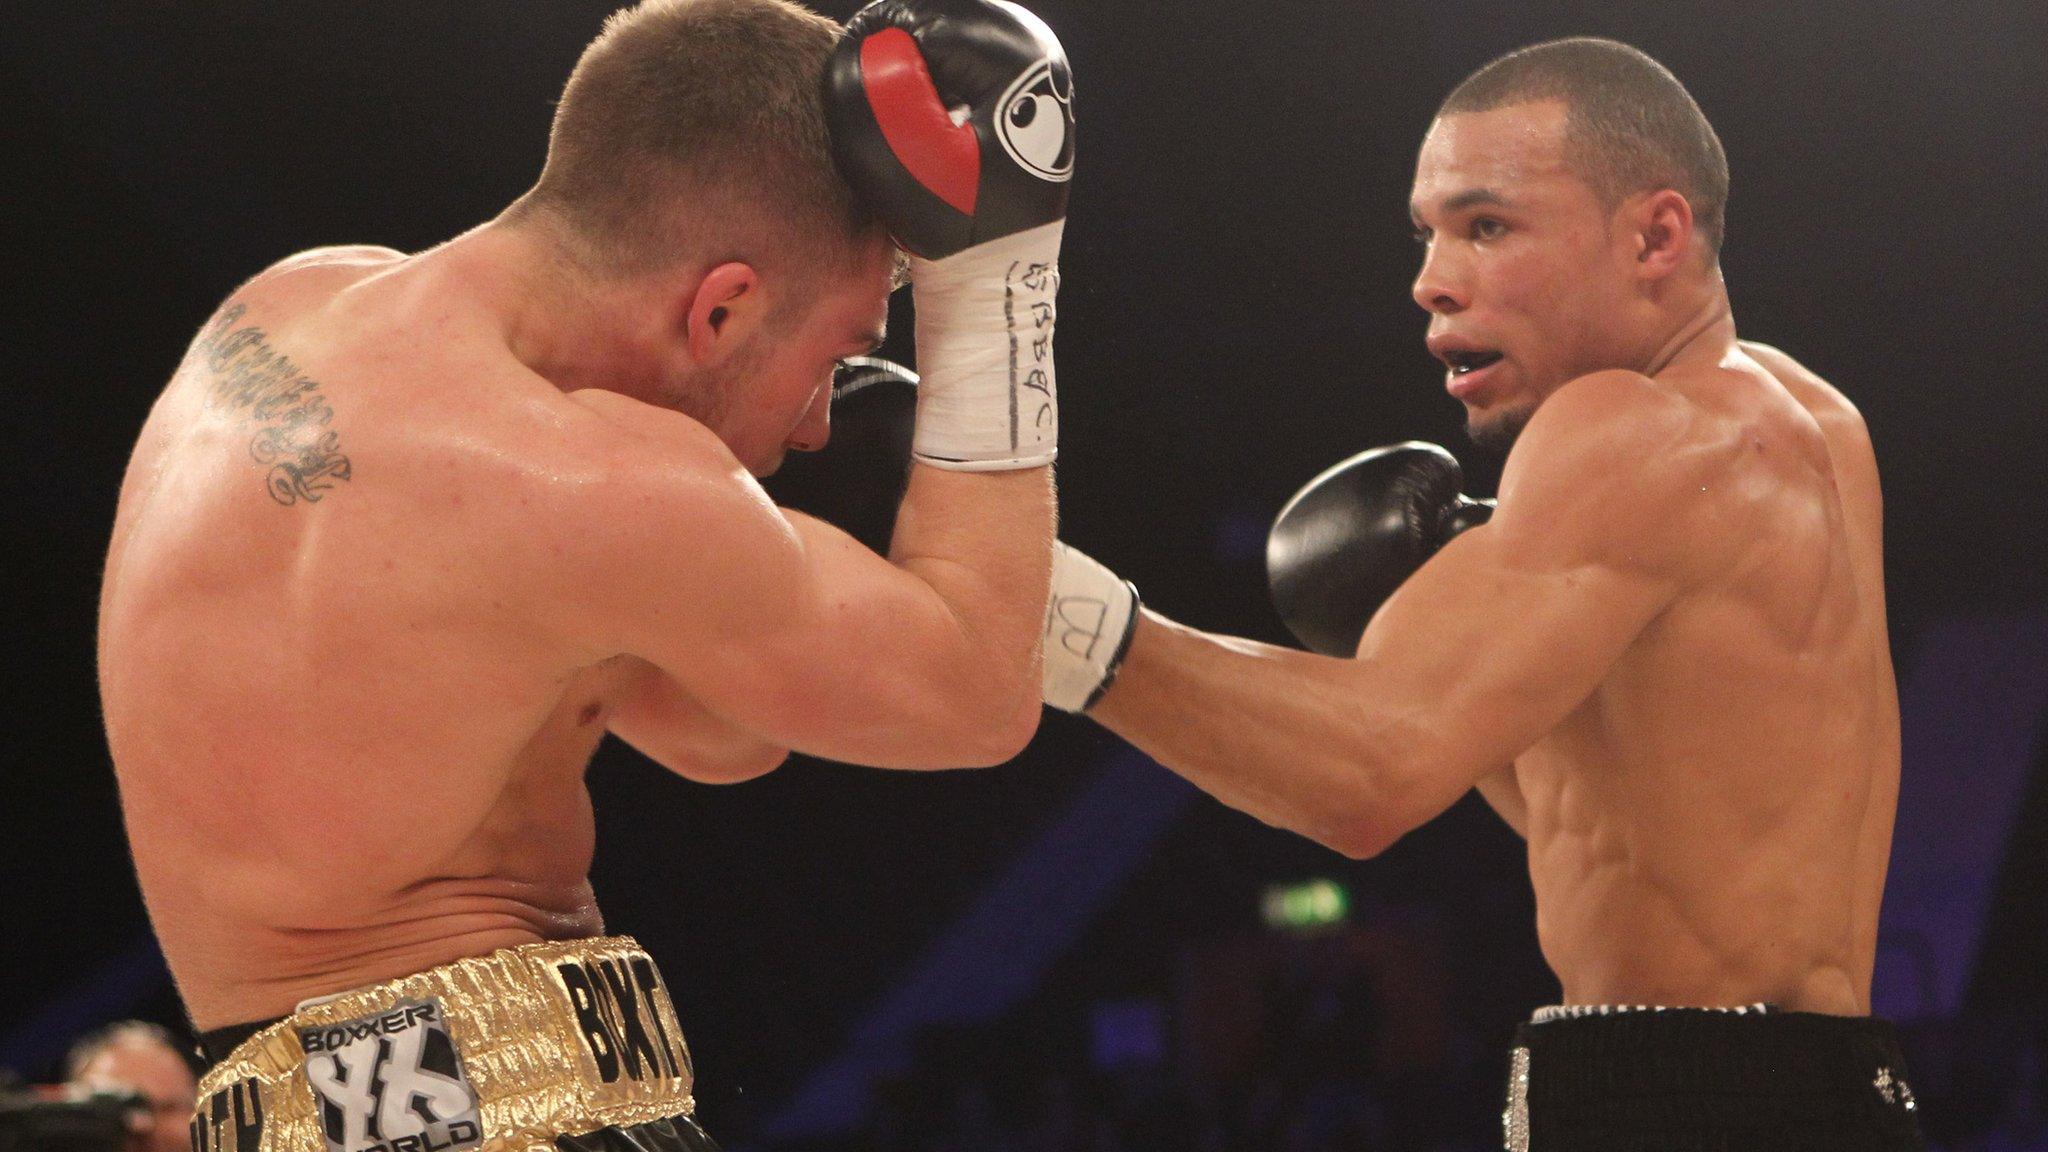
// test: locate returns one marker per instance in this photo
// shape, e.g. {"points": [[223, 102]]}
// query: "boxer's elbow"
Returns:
{"points": [[997, 728], [1020, 720], [955, 709], [1360, 835], [1386, 797], [994, 707]]}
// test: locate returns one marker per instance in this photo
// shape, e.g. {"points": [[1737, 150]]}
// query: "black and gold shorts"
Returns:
{"points": [[1748, 1079], [570, 1046]]}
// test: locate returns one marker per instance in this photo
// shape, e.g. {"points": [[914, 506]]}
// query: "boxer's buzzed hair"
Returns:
{"points": [[1630, 125], [695, 122]]}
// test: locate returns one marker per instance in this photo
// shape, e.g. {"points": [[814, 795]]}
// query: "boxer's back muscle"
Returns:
{"points": [[342, 757], [1711, 826]]}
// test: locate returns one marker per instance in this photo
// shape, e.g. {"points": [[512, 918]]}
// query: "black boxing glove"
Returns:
{"points": [[859, 373], [954, 118], [1348, 539]]}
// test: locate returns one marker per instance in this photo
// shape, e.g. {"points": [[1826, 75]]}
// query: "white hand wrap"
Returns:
{"points": [[1088, 627], [986, 400]]}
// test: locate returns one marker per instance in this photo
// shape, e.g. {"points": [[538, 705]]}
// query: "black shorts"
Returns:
{"points": [[1694, 1080]]}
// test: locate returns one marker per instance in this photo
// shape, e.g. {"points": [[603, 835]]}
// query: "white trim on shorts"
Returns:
{"points": [[1577, 1011]]}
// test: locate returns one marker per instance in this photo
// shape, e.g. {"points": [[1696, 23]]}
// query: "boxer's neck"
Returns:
{"points": [[1701, 331], [573, 329], [1675, 322]]}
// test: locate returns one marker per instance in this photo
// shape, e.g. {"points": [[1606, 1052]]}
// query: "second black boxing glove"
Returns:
{"points": [[1348, 539]]}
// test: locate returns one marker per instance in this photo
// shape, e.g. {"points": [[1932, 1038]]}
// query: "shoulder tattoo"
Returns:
{"points": [[294, 434]]}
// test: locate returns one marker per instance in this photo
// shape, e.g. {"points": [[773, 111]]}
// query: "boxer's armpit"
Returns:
{"points": [[294, 433], [666, 724]]}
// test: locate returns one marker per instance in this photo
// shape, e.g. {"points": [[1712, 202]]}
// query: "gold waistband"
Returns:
{"points": [[501, 1052]]}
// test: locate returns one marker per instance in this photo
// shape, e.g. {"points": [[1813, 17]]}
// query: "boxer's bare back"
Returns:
{"points": [[333, 765], [368, 613]]}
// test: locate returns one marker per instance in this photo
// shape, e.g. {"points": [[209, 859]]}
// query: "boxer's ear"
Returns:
{"points": [[1662, 224], [723, 312]]}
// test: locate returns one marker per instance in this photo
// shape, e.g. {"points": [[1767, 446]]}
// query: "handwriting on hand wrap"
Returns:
{"points": [[1030, 364], [295, 440]]}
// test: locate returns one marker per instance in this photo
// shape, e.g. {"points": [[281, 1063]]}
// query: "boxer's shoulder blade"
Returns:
{"points": [[1851, 457]]}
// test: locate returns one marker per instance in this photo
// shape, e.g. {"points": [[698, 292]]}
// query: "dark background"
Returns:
{"points": [[1234, 318]]}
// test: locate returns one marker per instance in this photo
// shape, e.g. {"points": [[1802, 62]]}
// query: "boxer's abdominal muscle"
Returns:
{"points": [[1678, 862]]}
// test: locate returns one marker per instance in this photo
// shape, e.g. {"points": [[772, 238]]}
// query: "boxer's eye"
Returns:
{"points": [[1487, 228]]}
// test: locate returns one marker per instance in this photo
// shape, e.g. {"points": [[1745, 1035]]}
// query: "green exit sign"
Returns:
{"points": [[1308, 905]]}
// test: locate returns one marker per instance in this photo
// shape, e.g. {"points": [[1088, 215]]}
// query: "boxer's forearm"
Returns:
{"points": [[1279, 734], [982, 541]]}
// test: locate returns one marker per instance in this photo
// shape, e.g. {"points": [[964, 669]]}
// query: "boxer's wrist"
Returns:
{"points": [[985, 317], [1089, 623]]}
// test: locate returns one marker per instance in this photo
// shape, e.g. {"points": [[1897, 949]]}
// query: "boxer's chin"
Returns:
{"points": [[1495, 432]]}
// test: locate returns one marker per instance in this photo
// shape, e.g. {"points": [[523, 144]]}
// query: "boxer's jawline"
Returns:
{"points": [[295, 436]]}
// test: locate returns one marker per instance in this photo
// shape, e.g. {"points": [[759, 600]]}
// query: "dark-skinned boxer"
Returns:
{"points": [[407, 534], [1663, 659]]}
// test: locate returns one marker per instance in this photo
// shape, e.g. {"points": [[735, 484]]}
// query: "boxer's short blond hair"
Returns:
{"points": [[696, 129]]}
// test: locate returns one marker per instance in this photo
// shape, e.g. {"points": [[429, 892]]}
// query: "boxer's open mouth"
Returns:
{"points": [[1463, 362]]}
